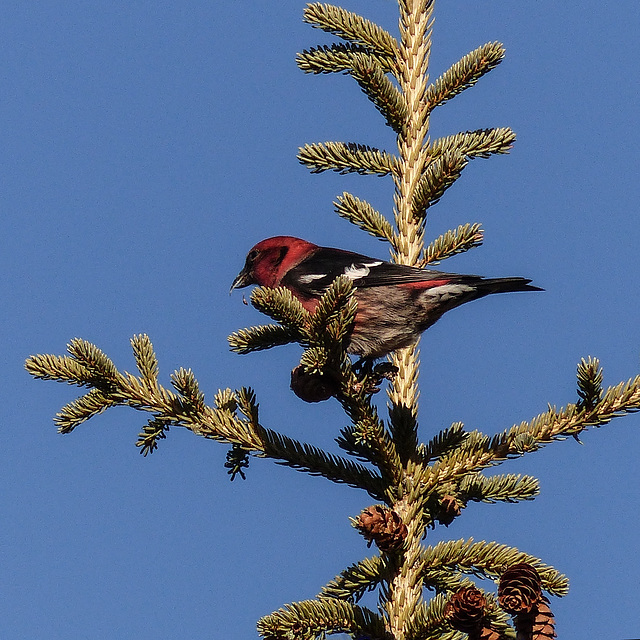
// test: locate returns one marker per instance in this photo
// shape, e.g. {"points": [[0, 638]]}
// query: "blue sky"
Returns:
{"points": [[146, 146]]}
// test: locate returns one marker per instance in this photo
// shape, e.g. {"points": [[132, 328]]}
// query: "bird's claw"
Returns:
{"points": [[369, 376]]}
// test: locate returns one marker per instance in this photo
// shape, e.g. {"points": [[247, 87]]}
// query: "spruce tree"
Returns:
{"points": [[424, 591]]}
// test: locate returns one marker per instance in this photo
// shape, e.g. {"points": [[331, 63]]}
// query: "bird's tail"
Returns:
{"points": [[505, 285]]}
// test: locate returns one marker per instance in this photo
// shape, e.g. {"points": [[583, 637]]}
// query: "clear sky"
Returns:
{"points": [[146, 146]]}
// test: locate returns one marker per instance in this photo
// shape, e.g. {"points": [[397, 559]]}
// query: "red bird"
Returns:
{"points": [[396, 303]]}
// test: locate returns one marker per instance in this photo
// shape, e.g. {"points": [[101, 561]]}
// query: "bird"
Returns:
{"points": [[396, 303]]}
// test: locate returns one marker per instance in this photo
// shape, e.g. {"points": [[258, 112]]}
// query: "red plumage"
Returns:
{"points": [[396, 303]]}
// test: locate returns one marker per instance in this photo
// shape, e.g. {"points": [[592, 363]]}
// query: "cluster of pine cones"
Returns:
{"points": [[519, 592]]}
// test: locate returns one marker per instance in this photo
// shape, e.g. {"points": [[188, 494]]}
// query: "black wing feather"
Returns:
{"points": [[313, 275]]}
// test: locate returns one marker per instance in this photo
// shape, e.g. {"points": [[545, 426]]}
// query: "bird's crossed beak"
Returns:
{"points": [[243, 279]]}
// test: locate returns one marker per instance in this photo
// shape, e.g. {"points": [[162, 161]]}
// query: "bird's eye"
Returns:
{"points": [[253, 254]]}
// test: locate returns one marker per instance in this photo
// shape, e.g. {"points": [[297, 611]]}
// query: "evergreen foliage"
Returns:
{"points": [[419, 485], [363, 215], [465, 237], [346, 157]]}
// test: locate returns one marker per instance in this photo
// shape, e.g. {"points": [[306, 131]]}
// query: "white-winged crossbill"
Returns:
{"points": [[396, 303]]}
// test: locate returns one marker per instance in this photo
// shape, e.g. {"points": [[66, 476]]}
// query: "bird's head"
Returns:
{"points": [[270, 259]]}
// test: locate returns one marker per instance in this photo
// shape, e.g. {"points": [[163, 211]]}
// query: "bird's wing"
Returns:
{"points": [[314, 274]]}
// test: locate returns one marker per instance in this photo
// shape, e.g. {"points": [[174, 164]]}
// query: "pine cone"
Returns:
{"points": [[519, 590], [449, 510], [312, 387], [486, 633], [465, 611], [541, 625], [520, 594], [383, 526]]}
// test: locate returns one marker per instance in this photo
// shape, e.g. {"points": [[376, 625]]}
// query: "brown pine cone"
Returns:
{"points": [[465, 611], [519, 590], [543, 623], [383, 526], [486, 633], [449, 510], [312, 387], [535, 625]]}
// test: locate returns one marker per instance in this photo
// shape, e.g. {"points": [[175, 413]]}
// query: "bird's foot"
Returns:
{"points": [[370, 376]]}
